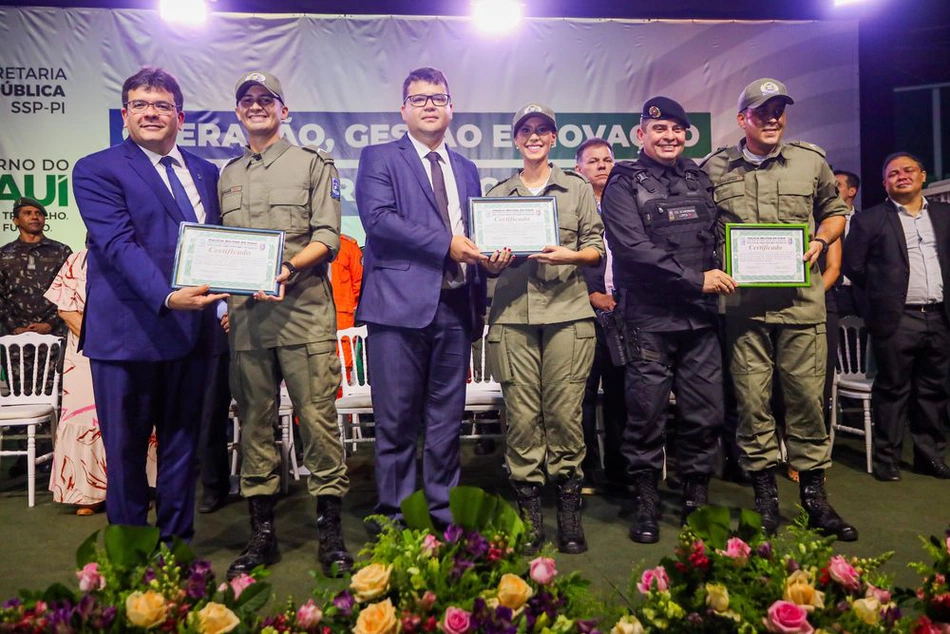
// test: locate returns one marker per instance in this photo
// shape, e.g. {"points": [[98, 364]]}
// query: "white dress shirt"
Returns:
{"points": [[183, 175]]}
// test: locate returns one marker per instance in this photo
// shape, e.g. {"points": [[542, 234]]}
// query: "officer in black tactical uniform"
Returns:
{"points": [[660, 221]]}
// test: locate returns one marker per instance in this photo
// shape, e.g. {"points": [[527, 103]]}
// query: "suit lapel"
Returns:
{"points": [[408, 151], [898, 228], [208, 198], [144, 168]]}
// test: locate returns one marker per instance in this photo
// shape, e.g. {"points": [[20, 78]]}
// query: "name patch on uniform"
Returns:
{"points": [[335, 188], [682, 213], [234, 189]]}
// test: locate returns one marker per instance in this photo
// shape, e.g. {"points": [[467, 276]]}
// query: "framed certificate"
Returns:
{"points": [[228, 259], [524, 224], [767, 255]]}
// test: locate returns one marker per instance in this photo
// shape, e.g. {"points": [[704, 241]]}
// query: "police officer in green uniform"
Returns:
{"points": [[277, 185], [763, 180], [661, 221], [27, 268], [541, 336]]}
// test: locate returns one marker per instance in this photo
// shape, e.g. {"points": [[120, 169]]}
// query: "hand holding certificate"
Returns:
{"points": [[228, 259], [767, 255]]}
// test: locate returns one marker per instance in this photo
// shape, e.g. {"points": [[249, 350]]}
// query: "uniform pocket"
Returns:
{"points": [[324, 370], [567, 229], [728, 190], [289, 206], [230, 203], [795, 200], [496, 354], [584, 343]]}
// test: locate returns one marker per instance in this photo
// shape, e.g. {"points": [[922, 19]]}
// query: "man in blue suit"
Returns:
{"points": [[149, 345], [423, 296]]}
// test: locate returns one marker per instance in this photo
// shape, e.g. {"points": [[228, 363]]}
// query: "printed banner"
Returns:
{"points": [[61, 74]]}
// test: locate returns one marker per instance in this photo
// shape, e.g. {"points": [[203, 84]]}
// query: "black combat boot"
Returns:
{"points": [[695, 494], [261, 550], [332, 554], [570, 533], [821, 515], [766, 498], [529, 508], [646, 524]]}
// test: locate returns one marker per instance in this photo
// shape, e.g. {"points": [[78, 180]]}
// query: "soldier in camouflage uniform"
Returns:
{"points": [[763, 180], [277, 185], [27, 268]]}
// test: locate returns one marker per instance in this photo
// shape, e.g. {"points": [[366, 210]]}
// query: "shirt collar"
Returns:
{"points": [[270, 154], [422, 150], [902, 209], [175, 153]]}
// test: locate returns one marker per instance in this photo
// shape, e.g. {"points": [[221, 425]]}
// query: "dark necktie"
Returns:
{"points": [[442, 202], [178, 190]]}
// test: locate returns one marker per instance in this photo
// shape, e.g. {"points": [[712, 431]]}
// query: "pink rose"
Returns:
{"points": [[309, 615], [844, 573], [880, 594], [90, 579], [653, 576], [787, 618], [456, 621], [430, 544], [427, 601], [543, 570], [737, 549], [240, 582]]}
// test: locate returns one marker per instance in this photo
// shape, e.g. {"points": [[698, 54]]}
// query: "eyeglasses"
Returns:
{"points": [[541, 130], [264, 101], [767, 113], [138, 106], [439, 100]]}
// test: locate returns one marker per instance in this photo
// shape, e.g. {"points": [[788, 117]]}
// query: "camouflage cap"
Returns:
{"points": [[532, 110], [760, 91], [26, 201], [258, 78]]}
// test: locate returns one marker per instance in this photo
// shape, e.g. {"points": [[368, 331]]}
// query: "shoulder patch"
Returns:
{"points": [[805, 145], [712, 154], [335, 187]]}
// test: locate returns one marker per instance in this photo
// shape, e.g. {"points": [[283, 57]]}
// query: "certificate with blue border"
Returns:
{"points": [[232, 260], [524, 224], [767, 254]]}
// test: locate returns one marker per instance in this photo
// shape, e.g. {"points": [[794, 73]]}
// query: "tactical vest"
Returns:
{"points": [[680, 218]]}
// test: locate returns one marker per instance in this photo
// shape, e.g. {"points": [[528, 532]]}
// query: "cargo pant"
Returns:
{"points": [[799, 353], [312, 374], [543, 371]]}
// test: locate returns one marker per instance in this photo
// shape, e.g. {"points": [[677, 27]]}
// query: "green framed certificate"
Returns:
{"points": [[767, 255], [228, 259], [524, 224]]}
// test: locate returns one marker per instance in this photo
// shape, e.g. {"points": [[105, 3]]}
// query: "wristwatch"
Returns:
{"points": [[824, 244], [294, 271]]}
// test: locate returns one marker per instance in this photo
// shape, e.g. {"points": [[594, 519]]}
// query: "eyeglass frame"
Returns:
{"points": [[428, 98], [129, 105], [257, 101]]}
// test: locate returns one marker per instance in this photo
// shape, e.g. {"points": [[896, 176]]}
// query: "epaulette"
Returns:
{"points": [[805, 145], [570, 172], [501, 182], [712, 154], [323, 154]]}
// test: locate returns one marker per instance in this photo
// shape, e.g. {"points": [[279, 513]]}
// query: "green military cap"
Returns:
{"points": [[258, 78], [26, 201], [760, 91], [532, 110]]}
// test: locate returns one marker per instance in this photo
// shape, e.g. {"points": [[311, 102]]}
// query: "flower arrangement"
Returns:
{"points": [[725, 580], [130, 581], [466, 578], [932, 599]]}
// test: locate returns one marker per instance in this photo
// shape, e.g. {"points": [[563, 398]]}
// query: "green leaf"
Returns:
{"points": [[472, 508], [130, 546], [750, 524], [253, 598], [58, 592], [711, 524], [415, 512], [86, 553], [183, 553]]}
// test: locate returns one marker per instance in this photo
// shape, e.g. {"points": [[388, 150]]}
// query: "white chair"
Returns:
{"points": [[851, 380], [482, 391], [30, 364], [356, 399]]}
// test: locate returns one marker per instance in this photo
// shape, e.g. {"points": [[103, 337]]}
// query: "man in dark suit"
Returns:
{"points": [[149, 345], [423, 296], [899, 254]]}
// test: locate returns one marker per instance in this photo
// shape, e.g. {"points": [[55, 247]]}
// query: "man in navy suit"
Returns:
{"points": [[149, 345], [423, 296]]}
